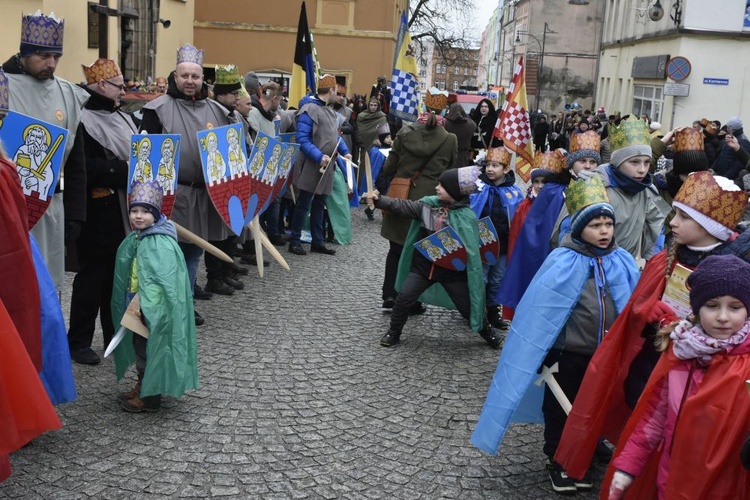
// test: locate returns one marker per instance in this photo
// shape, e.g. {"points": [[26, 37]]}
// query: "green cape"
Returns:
{"points": [[167, 304], [339, 210], [464, 221]]}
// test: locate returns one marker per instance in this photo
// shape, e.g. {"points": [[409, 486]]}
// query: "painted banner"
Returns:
{"points": [[162, 150], [225, 171], [263, 165], [38, 149], [444, 248], [489, 247]]}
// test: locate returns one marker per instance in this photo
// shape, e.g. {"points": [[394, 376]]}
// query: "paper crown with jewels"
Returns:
{"points": [[227, 75], [500, 155], [4, 103], [40, 34], [243, 92], [189, 54], [551, 161], [714, 198], [147, 193], [631, 132], [584, 145], [689, 155], [436, 99], [327, 82], [467, 179], [101, 69], [584, 192]]}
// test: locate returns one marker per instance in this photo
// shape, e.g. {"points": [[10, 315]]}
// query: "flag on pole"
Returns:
{"points": [[514, 126], [404, 82], [304, 73]]}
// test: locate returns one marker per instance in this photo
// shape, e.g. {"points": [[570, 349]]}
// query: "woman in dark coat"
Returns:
{"points": [[463, 128], [485, 116], [417, 146]]}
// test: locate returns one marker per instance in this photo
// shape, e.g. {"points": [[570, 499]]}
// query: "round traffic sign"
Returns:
{"points": [[678, 68]]}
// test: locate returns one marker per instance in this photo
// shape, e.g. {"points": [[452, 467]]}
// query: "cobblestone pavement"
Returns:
{"points": [[297, 400]]}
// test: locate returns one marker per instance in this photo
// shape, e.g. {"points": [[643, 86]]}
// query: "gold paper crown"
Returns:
{"points": [[436, 99], [553, 161], [584, 192], [188, 53], [227, 75], [102, 69], [688, 139], [702, 193], [243, 92], [588, 140], [500, 155], [327, 82], [631, 132]]}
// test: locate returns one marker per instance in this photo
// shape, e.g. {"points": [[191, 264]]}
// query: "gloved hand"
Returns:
{"points": [[72, 230], [621, 481], [661, 313]]}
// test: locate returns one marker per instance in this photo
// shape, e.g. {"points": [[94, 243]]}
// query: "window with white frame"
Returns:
{"points": [[455, 85], [648, 99], [456, 70]]}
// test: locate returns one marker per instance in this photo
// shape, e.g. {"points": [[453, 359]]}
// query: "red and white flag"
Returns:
{"points": [[514, 125]]}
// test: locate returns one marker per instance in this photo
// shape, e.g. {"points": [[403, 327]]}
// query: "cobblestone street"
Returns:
{"points": [[297, 400]]}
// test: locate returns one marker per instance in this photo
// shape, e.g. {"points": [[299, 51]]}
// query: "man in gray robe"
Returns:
{"points": [[36, 91], [318, 135]]}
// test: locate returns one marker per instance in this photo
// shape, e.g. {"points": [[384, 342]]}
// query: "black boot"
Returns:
{"points": [[390, 338], [495, 317], [493, 337]]}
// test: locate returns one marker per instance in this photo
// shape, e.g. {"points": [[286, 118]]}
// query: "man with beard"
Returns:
{"points": [[106, 138], [36, 91], [185, 110]]}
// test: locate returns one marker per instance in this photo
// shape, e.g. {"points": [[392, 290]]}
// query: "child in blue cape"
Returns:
{"points": [[498, 198], [561, 319], [419, 278], [149, 263]]}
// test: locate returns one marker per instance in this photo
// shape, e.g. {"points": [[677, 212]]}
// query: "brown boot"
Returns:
{"points": [[138, 405], [132, 393]]}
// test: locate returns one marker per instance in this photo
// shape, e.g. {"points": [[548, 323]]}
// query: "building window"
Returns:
{"points": [[423, 72], [455, 85], [422, 85], [648, 99], [456, 70]]}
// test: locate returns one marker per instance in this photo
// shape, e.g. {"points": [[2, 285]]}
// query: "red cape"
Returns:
{"points": [[19, 290], [713, 423], [599, 408], [515, 229]]}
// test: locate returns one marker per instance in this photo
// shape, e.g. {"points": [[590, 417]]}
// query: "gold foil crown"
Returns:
{"points": [[227, 75], [688, 139], [584, 192], [553, 161], [327, 82], [588, 140], [101, 69], [500, 155], [436, 99], [188, 53], [631, 132], [702, 193]]}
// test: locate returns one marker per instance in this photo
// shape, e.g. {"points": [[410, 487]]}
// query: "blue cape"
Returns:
{"points": [[377, 160], [532, 245], [510, 198], [540, 316], [57, 372]]}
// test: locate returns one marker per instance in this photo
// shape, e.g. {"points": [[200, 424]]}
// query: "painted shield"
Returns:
{"points": [[225, 170], [285, 169], [489, 247], [263, 166], [156, 157], [38, 150], [444, 248]]}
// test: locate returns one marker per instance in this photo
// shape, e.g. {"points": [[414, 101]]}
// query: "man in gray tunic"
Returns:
{"points": [[36, 91], [185, 110], [318, 135]]}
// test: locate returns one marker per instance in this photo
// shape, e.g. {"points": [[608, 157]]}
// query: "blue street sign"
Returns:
{"points": [[716, 81]]}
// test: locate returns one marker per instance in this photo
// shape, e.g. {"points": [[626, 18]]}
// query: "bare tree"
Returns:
{"points": [[446, 24]]}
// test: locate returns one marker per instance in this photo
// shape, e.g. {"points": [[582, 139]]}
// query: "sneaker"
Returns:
{"points": [[297, 249], [201, 294], [390, 338], [388, 303], [603, 452], [234, 283], [492, 337], [584, 484], [561, 483], [218, 286], [199, 319], [370, 213], [148, 404], [85, 356]]}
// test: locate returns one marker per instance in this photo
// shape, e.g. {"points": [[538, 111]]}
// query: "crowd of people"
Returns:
{"points": [[620, 276]]}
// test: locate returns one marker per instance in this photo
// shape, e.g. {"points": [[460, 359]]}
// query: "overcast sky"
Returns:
{"points": [[482, 13]]}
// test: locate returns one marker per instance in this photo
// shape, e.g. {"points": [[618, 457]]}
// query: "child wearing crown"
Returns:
{"points": [[560, 322], [149, 263], [498, 198]]}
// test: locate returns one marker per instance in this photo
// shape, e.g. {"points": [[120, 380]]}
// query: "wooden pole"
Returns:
{"points": [[193, 238]]}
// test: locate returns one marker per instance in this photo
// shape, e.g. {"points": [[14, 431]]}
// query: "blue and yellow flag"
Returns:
{"points": [[404, 82], [304, 74]]}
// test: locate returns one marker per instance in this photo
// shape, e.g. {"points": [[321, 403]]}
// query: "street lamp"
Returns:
{"points": [[541, 56]]}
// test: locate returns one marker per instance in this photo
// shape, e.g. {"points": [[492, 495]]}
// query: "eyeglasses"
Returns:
{"points": [[119, 86]]}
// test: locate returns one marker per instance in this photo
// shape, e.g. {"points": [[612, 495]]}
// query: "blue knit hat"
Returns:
{"points": [[716, 276], [580, 219]]}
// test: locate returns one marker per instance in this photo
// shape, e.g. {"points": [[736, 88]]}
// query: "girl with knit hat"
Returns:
{"points": [[695, 411], [559, 324], [708, 209], [418, 277]]}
